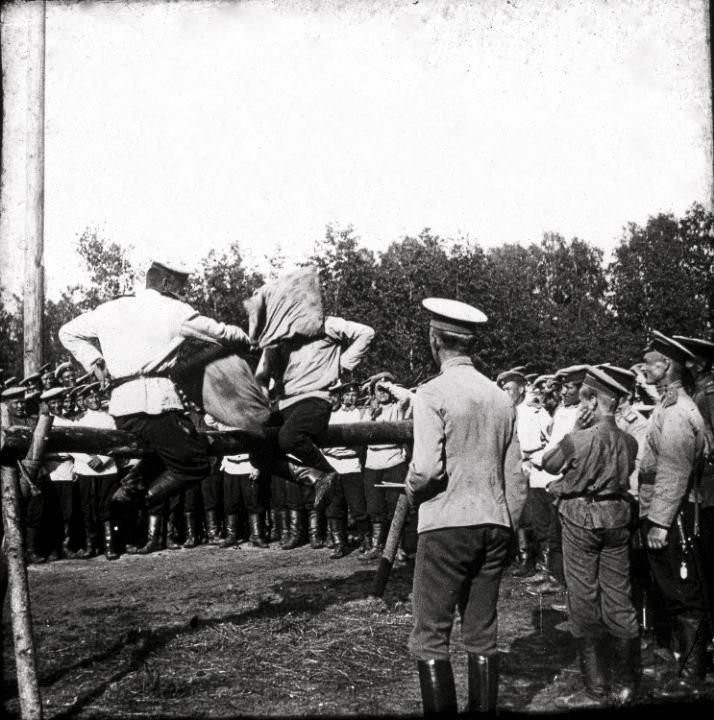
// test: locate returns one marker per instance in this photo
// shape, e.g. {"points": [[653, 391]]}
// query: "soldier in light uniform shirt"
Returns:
{"points": [[465, 480], [670, 471], [61, 471], [98, 477], [384, 463], [349, 489], [533, 430], [547, 522], [122, 340]]}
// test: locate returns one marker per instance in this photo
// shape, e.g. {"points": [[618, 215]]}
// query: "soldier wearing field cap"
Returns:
{"points": [[65, 374], [533, 430], [669, 473], [543, 512], [594, 464], [47, 377], [121, 341], [465, 479], [700, 369]]}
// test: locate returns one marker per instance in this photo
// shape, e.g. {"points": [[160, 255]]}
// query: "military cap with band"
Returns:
{"points": [[453, 315], [44, 368], [82, 379], [88, 388], [171, 265], [10, 382], [351, 386], [35, 377], [668, 347], [573, 374], [625, 377], [698, 346], [371, 381], [598, 380], [510, 376], [530, 377], [16, 392], [541, 380], [55, 393], [76, 391], [61, 368]]}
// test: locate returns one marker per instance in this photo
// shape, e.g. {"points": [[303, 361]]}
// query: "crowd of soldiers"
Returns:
{"points": [[603, 472], [79, 507]]}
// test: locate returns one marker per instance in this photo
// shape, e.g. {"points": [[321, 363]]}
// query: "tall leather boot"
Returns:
{"points": [[172, 533], [690, 634], [110, 552], [274, 525], [626, 660], [524, 559], [317, 541], [542, 568], [90, 542], [378, 530], [337, 528], [255, 522], [323, 482], [153, 536], [438, 691], [66, 539], [212, 532], [483, 683], [594, 675], [32, 557], [232, 528], [296, 532], [364, 528], [284, 522], [191, 540]]}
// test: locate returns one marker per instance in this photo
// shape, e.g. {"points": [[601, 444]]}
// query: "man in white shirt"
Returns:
{"points": [[123, 341], [551, 580]]}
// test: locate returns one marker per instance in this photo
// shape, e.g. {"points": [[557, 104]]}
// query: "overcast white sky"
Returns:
{"points": [[182, 126]]}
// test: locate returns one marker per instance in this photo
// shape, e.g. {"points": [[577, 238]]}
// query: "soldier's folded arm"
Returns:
{"points": [[556, 460], [203, 327], [80, 337], [356, 336]]}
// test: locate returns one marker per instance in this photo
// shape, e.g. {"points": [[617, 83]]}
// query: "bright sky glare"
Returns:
{"points": [[177, 127]]}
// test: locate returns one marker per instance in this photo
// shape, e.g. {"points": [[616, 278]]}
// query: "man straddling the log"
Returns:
{"points": [[592, 497], [465, 478], [303, 371], [117, 340]]}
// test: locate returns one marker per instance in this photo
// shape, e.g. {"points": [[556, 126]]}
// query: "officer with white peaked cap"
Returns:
{"points": [[466, 482]]}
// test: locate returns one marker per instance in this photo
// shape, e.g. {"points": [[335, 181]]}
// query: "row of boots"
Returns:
{"points": [[438, 690], [91, 547], [291, 531]]}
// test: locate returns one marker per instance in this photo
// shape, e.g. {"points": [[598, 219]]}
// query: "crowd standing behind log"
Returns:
{"points": [[617, 462]]}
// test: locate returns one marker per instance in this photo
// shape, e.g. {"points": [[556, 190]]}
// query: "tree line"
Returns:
{"points": [[550, 304]]}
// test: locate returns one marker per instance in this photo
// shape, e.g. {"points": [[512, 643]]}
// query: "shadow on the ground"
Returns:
{"points": [[535, 659], [307, 596]]}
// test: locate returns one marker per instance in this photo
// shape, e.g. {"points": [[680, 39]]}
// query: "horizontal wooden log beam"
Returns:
{"points": [[16, 440]]}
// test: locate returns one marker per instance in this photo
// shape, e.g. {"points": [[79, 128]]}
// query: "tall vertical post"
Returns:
{"points": [[13, 547], [34, 293]]}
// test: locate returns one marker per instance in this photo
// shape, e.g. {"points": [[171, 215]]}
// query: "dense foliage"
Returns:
{"points": [[549, 304]]}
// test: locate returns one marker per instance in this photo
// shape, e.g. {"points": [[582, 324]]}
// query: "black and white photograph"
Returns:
{"points": [[356, 358]]}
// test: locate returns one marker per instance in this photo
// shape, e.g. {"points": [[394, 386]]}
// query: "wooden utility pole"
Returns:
{"points": [[34, 293]]}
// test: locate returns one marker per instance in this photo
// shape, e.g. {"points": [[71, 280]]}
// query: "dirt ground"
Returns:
{"points": [[217, 633]]}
